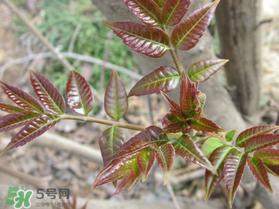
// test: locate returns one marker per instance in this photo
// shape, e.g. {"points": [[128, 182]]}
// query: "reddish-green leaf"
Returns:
{"points": [[201, 98], [261, 141], [79, 95], [187, 34], [202, 70], [146, 10], [110, 143], [172, 124], [230, 135], [21, 98], [151, 42], [161, 3], [258, 170], [174, 10], [48, 94], [174, 106], [145, 161], [186, 148], [217, 159], [272, 169], [17, 120], [116, 102], [206, 125], [249, 133], [233, 171], [165, 157], [210, 145], [10, 108], [32, 130], [269, 155], [163, 79]]}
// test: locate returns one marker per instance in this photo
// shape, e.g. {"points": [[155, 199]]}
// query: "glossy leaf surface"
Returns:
{"points": [[17, 120], [217, 159], [268, 155], [210, 145], [174, 10], [230, 135], [206, 125], [249, 133], [258, 170], [10, 108], [233, 171], [187, 34], [21, 98], [186, 148], [48, 94], [146, 10], [110, 143], [261, 141], [163, 79], [203, 70], [116, 101], [145, 161], [151, 42], [32, 130], [79, 95]]}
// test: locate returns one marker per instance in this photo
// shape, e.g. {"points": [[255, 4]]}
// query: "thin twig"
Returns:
{"points": [[74, 37], [173, 196]]}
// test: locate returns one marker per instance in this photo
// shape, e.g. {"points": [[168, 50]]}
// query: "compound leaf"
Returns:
{"points": [[174, 10], [145, 161], [32, 130], [21, 98], [187, 33], [261, 141], [206, 125], [79, 95], [202, 70], [146, 40], [48, 94], [10, 108], [249, 133], [163, 79], [116, 102], [268, 155]]}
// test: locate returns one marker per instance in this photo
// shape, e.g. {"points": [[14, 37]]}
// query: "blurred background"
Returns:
{"points": [[75, 29]]}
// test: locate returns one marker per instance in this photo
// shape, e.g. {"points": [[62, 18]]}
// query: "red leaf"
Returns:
{"points": [[165, 157], [249, 133], [21, 98], [32, 130], [217, 159], [206, 125], [269, 155], [10, 108], [79, 95], [151, 42], [175, 107], [145, 161], [273, 169], [48, 94], [202, 70], [186, 148], [174, 10], [111, 142], [233, 171], [116, 101], [17, 120], [163, 79], [258, 170], [187, 34], [261, 141], [146, 10]]}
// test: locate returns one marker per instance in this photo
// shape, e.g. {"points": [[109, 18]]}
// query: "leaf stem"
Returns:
{"points": [[102, 121]]}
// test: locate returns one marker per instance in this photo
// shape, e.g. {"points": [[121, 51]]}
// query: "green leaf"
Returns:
{"points": [[258, 170], [161, 3], [32, 130], [272, 169], [249, 133], [233, 171], [146, 10], [187, 34], [163, 79], [217, 159], [269, 155], [261, 141], [230, 135], [203, 70], [116, 102], [145, 161], [48, 94], [186, 148], [210, 145], [174, 10], [21, 98], [152, 42], [79, 95], [10, 108], [201, 98], [206, 125], [111, 142]]}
